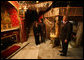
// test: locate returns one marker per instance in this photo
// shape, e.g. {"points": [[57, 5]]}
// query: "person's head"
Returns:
{"points": [[65, 19], [40, 21]]}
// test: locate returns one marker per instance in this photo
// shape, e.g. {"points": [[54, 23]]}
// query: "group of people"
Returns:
{"points": [[39, 30], [65, 34]]}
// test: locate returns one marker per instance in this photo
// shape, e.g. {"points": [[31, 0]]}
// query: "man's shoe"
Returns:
{"points": [[62, 55], [61, 51]]}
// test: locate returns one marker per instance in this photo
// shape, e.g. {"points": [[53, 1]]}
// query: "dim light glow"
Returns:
{"points": [[52, 35], [20, 7], [25, 8], [37, 1]]}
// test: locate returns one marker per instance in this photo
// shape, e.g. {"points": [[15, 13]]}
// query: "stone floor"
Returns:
{"points": [[45, 51]]}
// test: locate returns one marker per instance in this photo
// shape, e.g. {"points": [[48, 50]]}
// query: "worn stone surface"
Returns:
{"points": [[45, 51]]}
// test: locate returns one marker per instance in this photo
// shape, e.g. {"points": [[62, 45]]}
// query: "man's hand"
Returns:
{"points": [[65, 41]]}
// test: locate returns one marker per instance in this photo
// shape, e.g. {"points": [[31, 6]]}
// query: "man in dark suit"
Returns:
{"points": [[65, 35], [36, 32]]}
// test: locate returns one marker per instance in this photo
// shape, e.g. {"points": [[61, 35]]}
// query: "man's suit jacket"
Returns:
{"points": [[66, 31]]}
